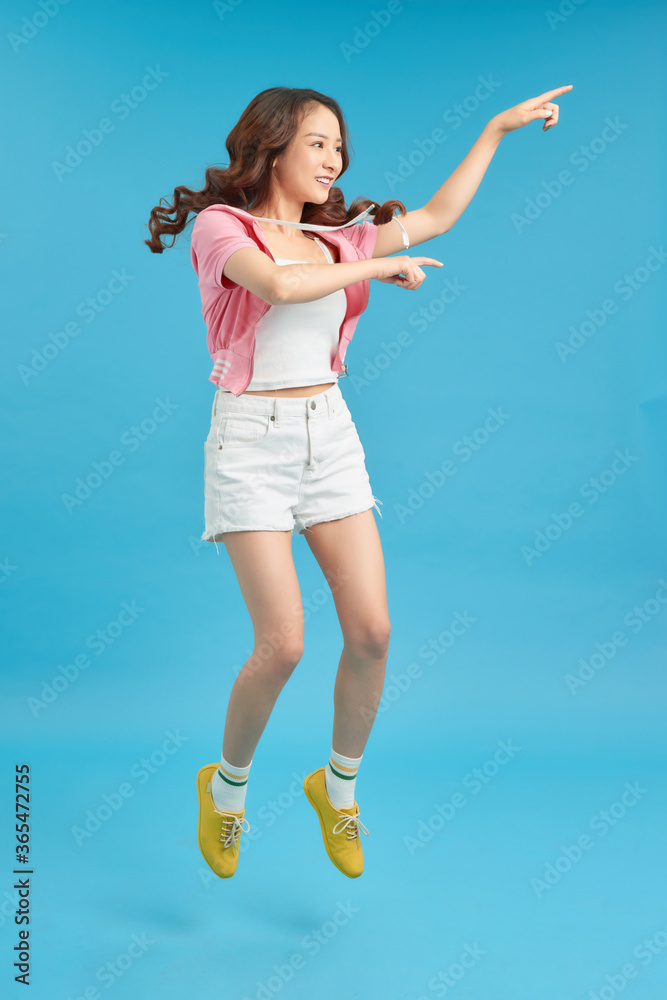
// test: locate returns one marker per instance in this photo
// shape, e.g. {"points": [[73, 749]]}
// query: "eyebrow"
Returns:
{"points": [[321, 136]]}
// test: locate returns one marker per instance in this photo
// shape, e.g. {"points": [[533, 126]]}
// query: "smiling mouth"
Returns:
{"points": [[324, 181]]}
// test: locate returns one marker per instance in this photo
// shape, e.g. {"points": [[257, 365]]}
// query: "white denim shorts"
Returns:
{"points": [[279, 463]]}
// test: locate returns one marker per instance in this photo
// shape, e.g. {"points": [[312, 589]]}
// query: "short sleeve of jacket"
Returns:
{"points": [[215, 237], [364, 236]]}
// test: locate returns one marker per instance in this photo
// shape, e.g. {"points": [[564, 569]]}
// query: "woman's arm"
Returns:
{"points": [[448, 203], [279, 284], [452, 198]]}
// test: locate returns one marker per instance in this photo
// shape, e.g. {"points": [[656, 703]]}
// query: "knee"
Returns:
{"points": [[371, 641], [289, 655], [278, 662]]}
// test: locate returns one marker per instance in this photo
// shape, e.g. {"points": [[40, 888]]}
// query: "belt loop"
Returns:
{"points": [[215, 403], [277, 410]]}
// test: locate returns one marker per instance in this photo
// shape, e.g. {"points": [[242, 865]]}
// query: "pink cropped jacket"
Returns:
{"points": [[231, 312]]}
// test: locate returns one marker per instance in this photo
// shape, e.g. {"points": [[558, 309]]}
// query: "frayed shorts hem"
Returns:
{"points": [[300, 527], [210, 536], [304, 526]]}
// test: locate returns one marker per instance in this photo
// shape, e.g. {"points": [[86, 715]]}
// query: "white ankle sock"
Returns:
{"points": [[229, 785], [340, 776]]}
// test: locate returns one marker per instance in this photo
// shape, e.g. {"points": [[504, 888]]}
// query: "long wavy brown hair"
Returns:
{"points": [[265, 129]]}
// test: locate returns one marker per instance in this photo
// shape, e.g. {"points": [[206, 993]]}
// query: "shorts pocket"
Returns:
{"points": [[244, 429]]}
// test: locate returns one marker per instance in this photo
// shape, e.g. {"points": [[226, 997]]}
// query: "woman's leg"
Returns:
{"points": [[266, 574], [349, 553]]}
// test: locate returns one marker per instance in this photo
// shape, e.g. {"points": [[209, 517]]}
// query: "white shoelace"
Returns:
{"points": [[353, 824], [235, 824]]}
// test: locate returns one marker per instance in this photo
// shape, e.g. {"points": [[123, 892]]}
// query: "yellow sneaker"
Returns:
{"points": [[218, 833], [340, 827]]}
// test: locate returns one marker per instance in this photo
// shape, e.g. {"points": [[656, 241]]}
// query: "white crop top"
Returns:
{"points": [[296, 343]]}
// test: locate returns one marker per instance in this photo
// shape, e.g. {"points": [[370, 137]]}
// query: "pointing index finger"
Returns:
{"points": [[550, 94]]}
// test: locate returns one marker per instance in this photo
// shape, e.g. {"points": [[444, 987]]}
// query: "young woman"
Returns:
{"points": [[281, 305]]}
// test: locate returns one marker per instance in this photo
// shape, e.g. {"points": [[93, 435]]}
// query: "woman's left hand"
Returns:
{"points": [[530, 110]]}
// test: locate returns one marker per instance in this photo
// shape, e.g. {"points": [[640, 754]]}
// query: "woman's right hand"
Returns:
{"points": [[403, 271]]}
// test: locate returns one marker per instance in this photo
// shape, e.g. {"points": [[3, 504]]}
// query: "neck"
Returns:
{"points": [[281, 208]]}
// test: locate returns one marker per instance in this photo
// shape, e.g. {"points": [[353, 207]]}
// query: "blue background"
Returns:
{"points": [[477, 880]]}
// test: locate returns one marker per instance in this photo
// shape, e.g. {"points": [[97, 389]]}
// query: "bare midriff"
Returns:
{"points": [[293, 390]]}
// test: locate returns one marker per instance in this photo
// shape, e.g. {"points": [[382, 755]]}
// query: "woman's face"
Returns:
{"points": [[311, 156]]}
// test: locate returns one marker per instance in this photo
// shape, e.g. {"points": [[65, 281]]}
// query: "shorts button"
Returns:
{"points": [[313, 404], [272, 417]]}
